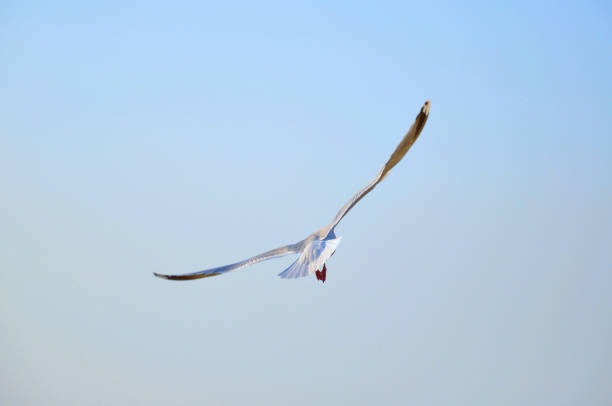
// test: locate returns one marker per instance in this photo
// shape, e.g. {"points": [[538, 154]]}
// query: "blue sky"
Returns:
{"points": [[169, 138]]}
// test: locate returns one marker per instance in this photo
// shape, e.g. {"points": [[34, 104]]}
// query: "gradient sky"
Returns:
{"points": [[174, 137]]}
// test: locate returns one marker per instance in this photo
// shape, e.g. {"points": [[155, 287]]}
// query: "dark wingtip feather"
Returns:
{"points": [[161, 275], [187, 277], [425, 108]]}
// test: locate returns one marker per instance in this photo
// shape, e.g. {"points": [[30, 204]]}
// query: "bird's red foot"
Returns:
{"points": [[322, 274]]}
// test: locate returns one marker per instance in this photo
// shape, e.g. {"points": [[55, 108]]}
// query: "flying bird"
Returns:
{"points": [[315, 250]]}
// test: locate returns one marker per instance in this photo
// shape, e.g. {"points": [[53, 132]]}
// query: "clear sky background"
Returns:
{"points": [[174, 137]]}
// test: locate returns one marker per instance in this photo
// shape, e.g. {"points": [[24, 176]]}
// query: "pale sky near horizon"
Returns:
{"points": [[174, 137]]}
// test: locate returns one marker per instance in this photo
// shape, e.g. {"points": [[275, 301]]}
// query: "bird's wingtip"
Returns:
{"points": [[186, 277], [426, 106], [159, 275]]}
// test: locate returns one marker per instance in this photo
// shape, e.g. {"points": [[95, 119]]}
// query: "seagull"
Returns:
{"points": [[318, 247]]}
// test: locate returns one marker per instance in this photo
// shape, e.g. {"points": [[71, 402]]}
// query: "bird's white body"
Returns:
{"points": [[312, 257], [316, 249]]}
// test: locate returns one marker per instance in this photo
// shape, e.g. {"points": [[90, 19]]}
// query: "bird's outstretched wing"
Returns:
{"points": [[403, 147], [275, 253]]}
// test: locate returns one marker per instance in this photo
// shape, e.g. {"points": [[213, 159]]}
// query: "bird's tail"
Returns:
{"points": [[313, 257]]}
